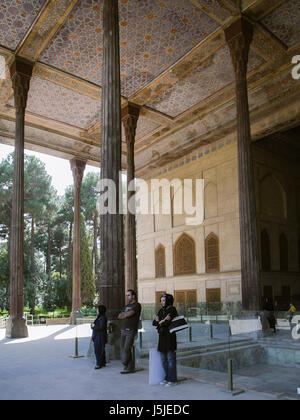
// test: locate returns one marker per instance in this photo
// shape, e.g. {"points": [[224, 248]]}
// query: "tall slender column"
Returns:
{"points": [[130, 116], [77, 167], [239, 37], [21, 72], [112, 293]]}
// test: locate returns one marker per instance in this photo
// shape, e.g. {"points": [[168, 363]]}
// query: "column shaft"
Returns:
{"points": [[21, 72], [239, 37], [77, 167], [112, 293], [130, 115]]}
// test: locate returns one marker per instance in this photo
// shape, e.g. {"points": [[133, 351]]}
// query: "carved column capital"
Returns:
{"points": [[130, 116], [239, 37], [78, 167], [21, 72]]}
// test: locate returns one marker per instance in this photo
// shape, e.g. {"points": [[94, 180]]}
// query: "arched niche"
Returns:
{"points": [[160, 261], [212, 253], [273, 200], [184, 255]]}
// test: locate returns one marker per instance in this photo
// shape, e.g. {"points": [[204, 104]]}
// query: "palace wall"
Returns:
{"points": [[277, 182], [218, 168], [278, 208]]}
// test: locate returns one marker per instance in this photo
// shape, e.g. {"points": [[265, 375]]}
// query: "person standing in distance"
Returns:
{"points": [[291, 313], [99, 337], [167, 344], [129, 318]]}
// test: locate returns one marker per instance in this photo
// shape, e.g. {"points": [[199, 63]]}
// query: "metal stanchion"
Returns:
{"points": [[230, 377], [230, 387], [190, 333], [77, 356], [141, 339]]}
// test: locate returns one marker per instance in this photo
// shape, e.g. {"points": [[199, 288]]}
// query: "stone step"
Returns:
{"points": [[213, 349], [198, 349], [212, 352]]}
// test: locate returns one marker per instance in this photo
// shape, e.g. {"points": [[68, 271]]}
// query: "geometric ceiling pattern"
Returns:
{"points": [[153, 35], [175, 64], [16, 18], [203, 81], [284, 22], [60, 104]]}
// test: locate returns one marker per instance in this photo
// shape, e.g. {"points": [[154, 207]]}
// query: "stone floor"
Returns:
{"points": [[40, 368]]}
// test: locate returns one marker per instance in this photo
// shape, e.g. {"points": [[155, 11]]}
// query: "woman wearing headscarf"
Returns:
{"points": [[167, 344], [99, 337]]}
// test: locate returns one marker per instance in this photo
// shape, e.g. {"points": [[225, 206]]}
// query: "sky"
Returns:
{"points": [[59, 169]]}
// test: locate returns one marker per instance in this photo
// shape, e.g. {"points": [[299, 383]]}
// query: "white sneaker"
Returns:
{"points": [[164, 382], [171, 384]]}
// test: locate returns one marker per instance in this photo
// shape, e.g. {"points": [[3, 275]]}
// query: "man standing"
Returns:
{"points": [[129, 326]]}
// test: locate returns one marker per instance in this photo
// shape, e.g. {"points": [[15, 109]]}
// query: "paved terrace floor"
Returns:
{"points": [[40, 368]]}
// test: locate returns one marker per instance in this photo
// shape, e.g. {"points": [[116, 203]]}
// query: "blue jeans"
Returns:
{"points": [[127, 341], [169, 365]]}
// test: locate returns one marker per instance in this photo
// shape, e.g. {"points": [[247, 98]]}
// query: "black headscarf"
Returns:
{"points": [[169, 299], [101, 311]]}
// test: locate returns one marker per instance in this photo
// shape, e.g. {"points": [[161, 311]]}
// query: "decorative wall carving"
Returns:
{"points": [[184, 255], [160, 261], [212, 257]]}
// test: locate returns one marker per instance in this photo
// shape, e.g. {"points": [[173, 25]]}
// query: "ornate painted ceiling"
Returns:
{"points": [[175, 64]]}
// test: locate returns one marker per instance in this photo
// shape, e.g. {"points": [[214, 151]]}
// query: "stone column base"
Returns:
{"points": [[114, 338], [16, 328]]}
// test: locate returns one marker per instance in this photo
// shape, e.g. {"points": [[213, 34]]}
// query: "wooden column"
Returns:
{"points": [[21, 72], [78, 167], [112, 285], [130, 116], [239, 37]]}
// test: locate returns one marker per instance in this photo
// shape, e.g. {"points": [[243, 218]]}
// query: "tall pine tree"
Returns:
{"points": [[86, 267]]}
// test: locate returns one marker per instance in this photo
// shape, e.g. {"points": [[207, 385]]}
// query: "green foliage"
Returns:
{"points": [[89, 195], [86, 268], [4, 278], [48, 226]]}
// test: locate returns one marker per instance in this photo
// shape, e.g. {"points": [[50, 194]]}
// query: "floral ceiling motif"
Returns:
{"points": [[16, 17], [153, 35]]}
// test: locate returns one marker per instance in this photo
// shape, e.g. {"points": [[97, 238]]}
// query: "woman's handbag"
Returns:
{"points": [[177, 324]]}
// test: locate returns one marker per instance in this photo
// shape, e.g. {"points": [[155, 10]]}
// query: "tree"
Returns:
{"points": [[4, 278], [89, 197], [65, 215], [37, 194], [6, 184], [86, 269]]}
